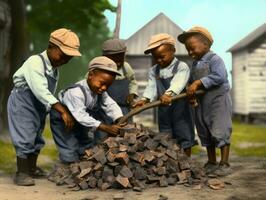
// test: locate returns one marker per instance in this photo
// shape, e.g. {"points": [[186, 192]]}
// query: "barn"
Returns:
{"points": [[137, 43], [249, 75]]}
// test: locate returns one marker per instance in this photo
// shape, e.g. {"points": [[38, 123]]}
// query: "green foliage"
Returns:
{"points": [[85, 17]]}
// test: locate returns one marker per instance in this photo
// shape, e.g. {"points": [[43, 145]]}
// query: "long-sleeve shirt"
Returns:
{"points": [[218, 74], [178, 83], [31, 75], [78, 105], [130, 75]]}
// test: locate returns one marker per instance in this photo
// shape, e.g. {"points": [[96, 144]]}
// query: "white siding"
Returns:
{"points": [[257, 79], [239, 82]]}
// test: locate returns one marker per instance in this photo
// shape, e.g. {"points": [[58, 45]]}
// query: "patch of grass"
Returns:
{"points": [[46, 159], [254, 135]]}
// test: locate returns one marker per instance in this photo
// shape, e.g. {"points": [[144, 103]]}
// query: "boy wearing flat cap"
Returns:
{"points": [[125, 88], [169, 77], [32, 97], [86, 100], [213, 113]]}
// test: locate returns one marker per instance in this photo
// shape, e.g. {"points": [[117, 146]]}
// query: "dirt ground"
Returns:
{"points": [[248, 181]]}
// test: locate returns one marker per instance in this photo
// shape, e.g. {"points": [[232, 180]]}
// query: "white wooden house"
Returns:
{"points": [[249, 75], [138, 42]]}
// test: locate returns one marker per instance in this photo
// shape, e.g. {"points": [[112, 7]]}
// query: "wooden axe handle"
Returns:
{"points": [[152, 105]]}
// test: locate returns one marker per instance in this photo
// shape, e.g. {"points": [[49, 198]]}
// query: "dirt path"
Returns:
{"points": [[247, 182]]}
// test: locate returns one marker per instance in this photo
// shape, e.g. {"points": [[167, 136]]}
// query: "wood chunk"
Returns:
{"points": [[83, 185], [110, 156], [126, 172], [117, 170], [138, 157], [216, 184], [107, 171], [105, 186], [92, 182], [98, 174], [161, 171], [86, 164], [111, 142], [151, 144], [171, 154], [159, 162], [184, 164], [153, 178], [98, 166], [123, 147], [171, 180], [163, 182], [130, 138], [172, 166], [74, 168], [122, 181], [149, 156], [100, 156], [84, 172], [140, 173], [89, 152], [122, 158], [182, 177]]}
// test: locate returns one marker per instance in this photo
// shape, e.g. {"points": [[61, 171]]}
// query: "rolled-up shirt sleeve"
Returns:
{"points": [[38, 83], [180, 79], [75, 101], [217, 74], [110, 107], [133, 85], [150, 91]]}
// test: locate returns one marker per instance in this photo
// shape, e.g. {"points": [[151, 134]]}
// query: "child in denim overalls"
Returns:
{"points": [[31, 99], [214, 108]]}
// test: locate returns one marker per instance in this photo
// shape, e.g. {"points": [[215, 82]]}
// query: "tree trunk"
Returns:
{"points": [[18, 51], [118, 19]]}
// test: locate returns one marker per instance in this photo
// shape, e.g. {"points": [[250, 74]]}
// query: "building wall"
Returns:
{"points": [[257, 77], [240, 82]]}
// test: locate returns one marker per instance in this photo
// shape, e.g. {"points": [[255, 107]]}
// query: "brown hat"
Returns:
{"points": [[159, 39], [66, 40], [103, 63], [196, 29], [113, 46]]}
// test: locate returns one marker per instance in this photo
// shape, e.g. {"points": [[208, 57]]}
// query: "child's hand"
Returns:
{"points": [[139, 103], [166, 99], [192, 89], [130, 99], [113, 129], [68, 120]]}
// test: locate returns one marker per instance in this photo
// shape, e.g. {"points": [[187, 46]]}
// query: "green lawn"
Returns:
{"points": [[247, 140]]}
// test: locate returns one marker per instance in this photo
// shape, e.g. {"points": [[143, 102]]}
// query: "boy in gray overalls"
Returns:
{"points": [[32, 97], [169, 77], [125, 88], [86, 100], [214, 109]]}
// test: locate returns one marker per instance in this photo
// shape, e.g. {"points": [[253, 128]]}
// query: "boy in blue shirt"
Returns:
{"points": [[214, 109], [32, 97], [169, 77]]}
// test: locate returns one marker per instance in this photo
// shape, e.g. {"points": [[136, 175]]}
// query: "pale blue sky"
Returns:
{"points": [[228, 20]]}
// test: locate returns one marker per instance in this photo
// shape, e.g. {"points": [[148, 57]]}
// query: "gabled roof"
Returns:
{"points": [[249, 38], [138, 42]]}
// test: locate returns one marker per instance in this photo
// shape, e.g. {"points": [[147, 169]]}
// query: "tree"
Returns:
{"points": [[84, 17], [16, 50]]}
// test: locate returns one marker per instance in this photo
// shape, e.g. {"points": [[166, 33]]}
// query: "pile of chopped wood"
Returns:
{"points": [[137, 158]]}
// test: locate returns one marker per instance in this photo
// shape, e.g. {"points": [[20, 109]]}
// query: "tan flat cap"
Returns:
{"points": [[196, 29], [103, 63], [158, 40], [113, 46], [66, 40]]}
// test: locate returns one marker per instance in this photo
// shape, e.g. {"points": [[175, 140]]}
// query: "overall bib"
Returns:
{"points": [[214, 111], [72, 144], [118, 91], [26, 118], [175, 119]]}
